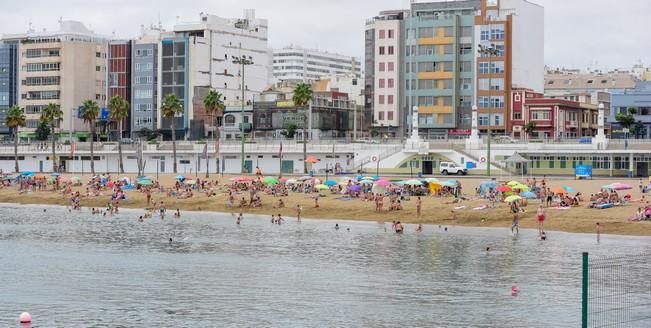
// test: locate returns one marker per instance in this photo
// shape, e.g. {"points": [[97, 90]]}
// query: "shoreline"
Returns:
{"points": [[350, 220]]}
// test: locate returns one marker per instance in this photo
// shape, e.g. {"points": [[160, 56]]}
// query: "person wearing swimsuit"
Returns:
{"points": [[399, 228]]}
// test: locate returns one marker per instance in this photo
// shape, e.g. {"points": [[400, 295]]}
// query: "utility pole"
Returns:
{"points": [[242, 61]]}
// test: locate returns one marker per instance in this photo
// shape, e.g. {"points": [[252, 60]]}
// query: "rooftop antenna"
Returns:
{"points": [[160, 25]]}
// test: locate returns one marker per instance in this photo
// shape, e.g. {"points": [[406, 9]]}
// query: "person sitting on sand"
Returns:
{"points": [[242, 202], [280, 203]]}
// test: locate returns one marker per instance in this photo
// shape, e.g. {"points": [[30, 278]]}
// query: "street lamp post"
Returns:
{"points": [[490, 52], [242, 61]]}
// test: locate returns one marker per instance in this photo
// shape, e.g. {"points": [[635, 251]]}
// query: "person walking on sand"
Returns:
{"points": [[316, 200], [540, 215], [418, 206]]}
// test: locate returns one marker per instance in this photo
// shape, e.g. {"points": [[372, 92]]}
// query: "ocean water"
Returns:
{"points": [[82, 270]]}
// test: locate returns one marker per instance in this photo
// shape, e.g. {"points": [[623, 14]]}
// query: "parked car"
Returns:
{"points": [[366, 141], [446, 168]]}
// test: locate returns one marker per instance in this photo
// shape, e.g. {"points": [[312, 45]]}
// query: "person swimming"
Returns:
{"points": [[399, 228], [177, 214], [140, 219], [336, 226], [543, 236], [419, 228]]}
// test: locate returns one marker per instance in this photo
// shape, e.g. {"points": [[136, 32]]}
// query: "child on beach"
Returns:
{"points": [[299, 209]]}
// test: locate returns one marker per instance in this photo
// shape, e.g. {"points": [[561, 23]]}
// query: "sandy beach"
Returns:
{"points": [[580, 219]]}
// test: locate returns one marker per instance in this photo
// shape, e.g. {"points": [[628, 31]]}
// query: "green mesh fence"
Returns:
{"points": [[617, 291]]}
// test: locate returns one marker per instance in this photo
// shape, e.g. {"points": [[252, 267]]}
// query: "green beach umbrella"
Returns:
{"points": [[271, 181], [512, 198], [412, 182]]}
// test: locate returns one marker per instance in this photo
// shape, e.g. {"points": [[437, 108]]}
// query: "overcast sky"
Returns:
{"points": [[578, 33]]}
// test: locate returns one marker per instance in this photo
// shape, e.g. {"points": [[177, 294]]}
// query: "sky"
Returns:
{"points": [[602, 34]]}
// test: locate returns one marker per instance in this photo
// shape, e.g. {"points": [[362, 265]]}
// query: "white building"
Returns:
{"points": [[64, 67], [207, 62], [296, 64]]}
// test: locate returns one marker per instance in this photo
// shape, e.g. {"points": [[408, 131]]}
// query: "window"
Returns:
{"points": [[390, 66], [381, 99], [382, 34], [381, 83], [229, 120], [144, 79], [465, 67], [466, 31], [143, 107], [497, 32], [465, 101], [411, 33], [381, 51], [390, 50], [465, 49], [144, 52], [143, 93], [390, 100], [98, 69], [483, 36], [466, 84], [410, 67], [381, 67], [391, 34], [484, 102], [390, 83], [381, 116], [497, 102], [495, 84], [143, 67], [390, 115], [144, 120], [42, 67], [482, 119], [540, 115], [497, 119], [563, 161], [426, 32], [500, 50], [410, 51], [497, 67], [41, 80], [447, 31], [517, 115], [483, 68], [39, 95], [426, 50], [426, 119]]}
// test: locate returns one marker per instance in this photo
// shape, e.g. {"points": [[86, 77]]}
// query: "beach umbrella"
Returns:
{"points": [[282, 180], [503, 188], [312, 160], [355, 188], [513, 183], [76, 178], [55, 174], [321, 187], [430, 180], [569, 189], [529, 195], [27, 174], [244, 179], [316, 181], [190, 182], [512, 198], [303, 178], [366, 181], [370, 178], [382, 183], [145, 182], [271, 181], [558, 190], [330, 183], [520, 187], [345, 179], [412, 182], [64, 179], [618, 186], [51, 180], [291, 181], [180, 177]]}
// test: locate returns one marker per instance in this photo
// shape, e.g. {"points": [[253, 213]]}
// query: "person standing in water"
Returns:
{"points": [[515, 224], [161, 209], [239, 218], [399, 228], [541, 219], [299, 209]]}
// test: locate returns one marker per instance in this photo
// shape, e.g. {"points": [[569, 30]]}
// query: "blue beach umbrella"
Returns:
{"points": [[55, 174], [330, 183], [180, 177], [529, 195], [569, 189]]}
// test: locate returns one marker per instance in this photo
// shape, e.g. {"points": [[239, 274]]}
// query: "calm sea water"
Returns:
{"points": [[80, 270]]}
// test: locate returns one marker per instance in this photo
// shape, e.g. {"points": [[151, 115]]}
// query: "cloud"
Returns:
{"points": [[578, 33]]}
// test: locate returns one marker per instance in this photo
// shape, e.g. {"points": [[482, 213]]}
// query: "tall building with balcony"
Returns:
{"points": [[383, 66], [198, 56], [144, 80], [295, 64], [119, 78], [8, 81], [65, 67]]}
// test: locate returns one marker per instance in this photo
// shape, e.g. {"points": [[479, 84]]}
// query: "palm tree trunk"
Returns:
{"points": [[16, 150], [213, 136], [174, 145], [305, 139], [92, 151], [120, 146], [54, 151]]}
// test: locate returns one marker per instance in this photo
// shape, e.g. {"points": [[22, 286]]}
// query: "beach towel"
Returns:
{"points": [[460, 207], [561, 208], [482, 207]]}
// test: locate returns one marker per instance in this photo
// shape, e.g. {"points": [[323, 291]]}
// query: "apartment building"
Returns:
{"points": [[65, 67], [8, 82], [197, 56], [383, 80], [638, 98], [119, 79], [296, 64], [144, 80], [441, 70]]}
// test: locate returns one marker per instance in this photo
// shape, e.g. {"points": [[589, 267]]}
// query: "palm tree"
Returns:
{"points": [[89, 113], [213, 103], [302, 97], [529, 127], [119, 111], [15, 119], [170, 107], [52, 114]]}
